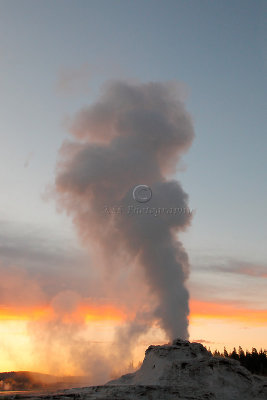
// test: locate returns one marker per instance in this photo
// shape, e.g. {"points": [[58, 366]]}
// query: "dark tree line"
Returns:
{"points": [[255, 362]]}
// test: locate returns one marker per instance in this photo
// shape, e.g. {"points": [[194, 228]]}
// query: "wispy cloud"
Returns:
{"points": [[244, 268], [202, 341], [233, 266]]}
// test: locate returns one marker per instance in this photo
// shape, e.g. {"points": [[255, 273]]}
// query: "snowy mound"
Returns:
{"points": [[192, 368], [168, 364]]}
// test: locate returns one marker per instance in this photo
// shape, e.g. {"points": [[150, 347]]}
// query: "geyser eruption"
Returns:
{"points": [[135, 134]]}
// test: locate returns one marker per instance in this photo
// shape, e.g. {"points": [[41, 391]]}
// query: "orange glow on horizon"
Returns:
{"points": [[83, 313], [98, 313], [213, 310], [19, 314], [217, 323], [108, 312]]}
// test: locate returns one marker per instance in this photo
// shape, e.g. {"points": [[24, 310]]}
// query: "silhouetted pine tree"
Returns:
{"points": [[255, 362], [234, 354]]}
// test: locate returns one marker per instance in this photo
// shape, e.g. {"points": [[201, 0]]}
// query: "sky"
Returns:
{"points": [[54, 59]]}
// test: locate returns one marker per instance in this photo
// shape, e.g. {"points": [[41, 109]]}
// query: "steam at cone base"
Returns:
{"points": [[134, 134]]}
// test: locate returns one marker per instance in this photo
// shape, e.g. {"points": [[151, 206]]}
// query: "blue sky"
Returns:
{"points": [[56, 55]]}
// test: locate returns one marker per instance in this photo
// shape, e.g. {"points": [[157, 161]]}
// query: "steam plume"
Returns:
{"points": [[135, 134]]}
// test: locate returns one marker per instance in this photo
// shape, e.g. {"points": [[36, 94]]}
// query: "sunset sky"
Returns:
{"points": [[54, 58]]}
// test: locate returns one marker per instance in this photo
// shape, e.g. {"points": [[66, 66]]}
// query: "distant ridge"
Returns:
{"points": [[26, 380]]}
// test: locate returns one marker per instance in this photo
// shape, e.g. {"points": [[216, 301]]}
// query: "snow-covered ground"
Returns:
{"points": [[182, 370]]}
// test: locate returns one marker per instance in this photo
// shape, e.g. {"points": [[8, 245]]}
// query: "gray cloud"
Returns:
{"points": [[244, 268], [233, 266], [228, 280], [51, 262]]}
